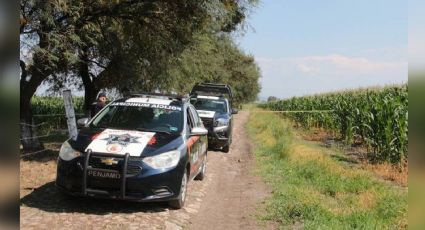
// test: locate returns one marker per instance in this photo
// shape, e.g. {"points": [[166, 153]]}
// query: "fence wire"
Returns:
{"points": [[55, 115], [34, 137], [48, 127], [32, 153], [36, 125], [293, 111]]}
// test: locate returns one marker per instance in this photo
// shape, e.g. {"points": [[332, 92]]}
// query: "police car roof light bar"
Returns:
{"points": [[169, 96], [212, 88]]}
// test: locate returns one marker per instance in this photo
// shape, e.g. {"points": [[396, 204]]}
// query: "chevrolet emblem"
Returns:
{"points": [[109, 161]]}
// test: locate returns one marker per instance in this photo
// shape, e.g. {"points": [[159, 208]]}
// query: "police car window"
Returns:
{"points": [[107, 115], [189, 119], [139, 118], [217, 105], [196, 119]]}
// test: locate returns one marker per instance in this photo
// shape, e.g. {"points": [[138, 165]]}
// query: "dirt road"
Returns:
{"points": [[226, 199]]}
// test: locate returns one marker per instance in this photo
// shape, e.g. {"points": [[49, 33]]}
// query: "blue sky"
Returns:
{"points": [[416, 36], [311, 46]]}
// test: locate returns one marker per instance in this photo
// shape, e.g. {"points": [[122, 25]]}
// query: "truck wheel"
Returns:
{"points": [[226, 148]]}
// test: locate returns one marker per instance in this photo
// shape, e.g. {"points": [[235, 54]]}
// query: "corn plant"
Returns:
{"points": [[377, 118], [50, 111]]}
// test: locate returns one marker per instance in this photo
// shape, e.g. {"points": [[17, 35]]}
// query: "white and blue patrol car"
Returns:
{"points": [[145, 147]]}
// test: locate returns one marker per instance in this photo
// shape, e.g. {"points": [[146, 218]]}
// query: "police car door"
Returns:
{"points": [[198, 143]]}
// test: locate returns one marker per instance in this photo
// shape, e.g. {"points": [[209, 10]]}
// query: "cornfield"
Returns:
{"points": [[376, 118], [50, 111], [54, 105]]}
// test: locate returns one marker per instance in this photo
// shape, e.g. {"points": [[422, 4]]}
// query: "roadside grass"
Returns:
{"points": [[357, 155], [313, 190]]}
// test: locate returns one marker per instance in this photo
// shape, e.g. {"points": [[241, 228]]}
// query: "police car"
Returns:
{"points": [[141, 148], [214, 105]]}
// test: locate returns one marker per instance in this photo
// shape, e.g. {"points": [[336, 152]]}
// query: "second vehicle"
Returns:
{"points": [[214, 105]]}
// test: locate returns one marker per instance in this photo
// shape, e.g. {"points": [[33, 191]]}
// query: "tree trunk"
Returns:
{"points": [[90, 92], [39, 70], [29, 139], [90, 89]]}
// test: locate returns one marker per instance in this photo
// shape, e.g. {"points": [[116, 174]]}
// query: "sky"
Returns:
{"points": [[416, 36], [308, 46]]}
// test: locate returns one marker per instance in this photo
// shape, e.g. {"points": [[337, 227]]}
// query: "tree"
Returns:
{"points": [[272, 98], [216, 58], [64, 38], [131, 53], [46, 55], [122, 44]]}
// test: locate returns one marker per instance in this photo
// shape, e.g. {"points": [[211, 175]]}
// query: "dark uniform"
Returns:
{"points": [[98, 105]]}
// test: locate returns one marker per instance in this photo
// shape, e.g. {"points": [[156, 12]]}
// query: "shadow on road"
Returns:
{"points": [[49, 199], [42, 157]]}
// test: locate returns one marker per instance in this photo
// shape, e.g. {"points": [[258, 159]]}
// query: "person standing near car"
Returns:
{"points": [[99, 104]]}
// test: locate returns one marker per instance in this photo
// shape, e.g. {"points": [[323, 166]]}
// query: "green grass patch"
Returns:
{"points": [[312, 190]]}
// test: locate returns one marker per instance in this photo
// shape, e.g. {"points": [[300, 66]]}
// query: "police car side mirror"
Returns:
{"points": [[199, 131], [82, 122], [234, 111]]}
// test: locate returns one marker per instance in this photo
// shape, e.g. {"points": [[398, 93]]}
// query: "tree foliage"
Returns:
{"points": [[215, 58], [129, 45], [272, 98]]}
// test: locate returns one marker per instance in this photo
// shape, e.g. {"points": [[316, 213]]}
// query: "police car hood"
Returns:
{"points": [[117, 141]]}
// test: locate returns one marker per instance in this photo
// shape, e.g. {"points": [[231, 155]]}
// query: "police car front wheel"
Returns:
{"points": [[179, 203]]}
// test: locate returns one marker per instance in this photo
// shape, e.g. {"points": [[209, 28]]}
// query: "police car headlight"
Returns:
{"points": [[67, 153], [221, 122], [163, 160]]}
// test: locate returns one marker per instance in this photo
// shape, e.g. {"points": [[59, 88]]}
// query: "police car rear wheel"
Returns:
{"points": [[179, 203], [226, 149]]}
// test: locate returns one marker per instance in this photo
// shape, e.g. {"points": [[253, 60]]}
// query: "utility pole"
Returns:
{"points": [[70, 114]]}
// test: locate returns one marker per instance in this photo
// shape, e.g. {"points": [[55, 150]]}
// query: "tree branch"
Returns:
{"points": [[97, 63], [24, 72], [22, 31]]}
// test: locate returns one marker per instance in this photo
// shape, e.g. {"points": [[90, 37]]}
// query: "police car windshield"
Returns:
{"points": [[149, 117], [217, 105]]}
